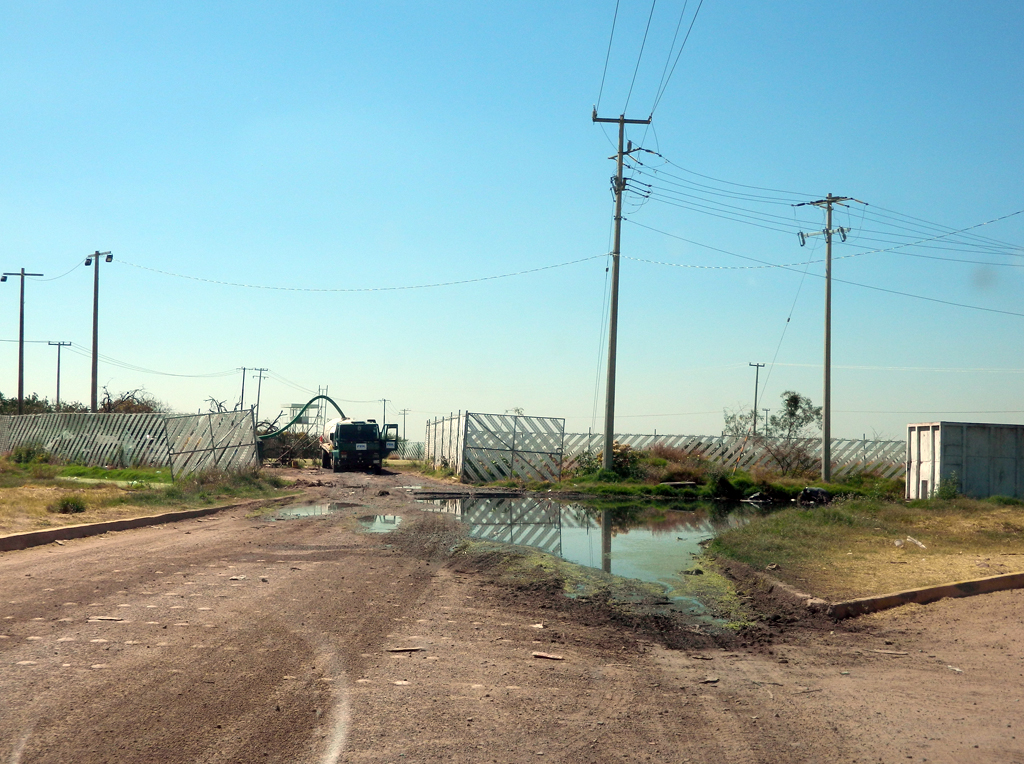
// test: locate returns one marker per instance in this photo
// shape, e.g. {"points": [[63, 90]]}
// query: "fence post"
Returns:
{"points": [[170, 449]]}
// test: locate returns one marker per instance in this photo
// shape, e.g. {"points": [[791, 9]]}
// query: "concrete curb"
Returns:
{"points": [[924, 595], [35, 538]]}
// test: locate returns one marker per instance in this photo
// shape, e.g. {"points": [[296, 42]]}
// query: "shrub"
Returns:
{"points": [[1005, 501], [30, 454], [69, 504], [948, 488]]}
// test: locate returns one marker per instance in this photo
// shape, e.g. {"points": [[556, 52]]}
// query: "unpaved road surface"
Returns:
{"points": [[234, 639]]}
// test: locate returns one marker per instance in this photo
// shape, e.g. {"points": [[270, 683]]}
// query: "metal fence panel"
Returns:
{"points": [[118, 440], [225, 441], [408, 450], [486, 447], [883, 457]]}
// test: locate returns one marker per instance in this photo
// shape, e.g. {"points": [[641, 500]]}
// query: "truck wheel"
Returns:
{"points": [[337, 466], [325, 460]]}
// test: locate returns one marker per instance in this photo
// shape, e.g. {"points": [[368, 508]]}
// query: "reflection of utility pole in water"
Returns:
{"points": [[606, 541]]}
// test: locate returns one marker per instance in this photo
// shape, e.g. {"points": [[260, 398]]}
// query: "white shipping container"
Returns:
{"points": [[980, 459]]}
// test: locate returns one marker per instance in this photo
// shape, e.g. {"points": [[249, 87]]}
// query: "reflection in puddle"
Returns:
{"points": [[379, 523], [642, 541], [309, 510]]}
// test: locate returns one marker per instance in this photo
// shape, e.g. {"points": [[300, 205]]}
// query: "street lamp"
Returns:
{"points": [[21, 339], [95, 320]]}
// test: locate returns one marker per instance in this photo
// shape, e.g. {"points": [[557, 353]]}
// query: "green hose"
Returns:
{"points": [[299, 415]]}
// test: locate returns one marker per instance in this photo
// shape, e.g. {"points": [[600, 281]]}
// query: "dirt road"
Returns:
{"points": [[233, 639]]}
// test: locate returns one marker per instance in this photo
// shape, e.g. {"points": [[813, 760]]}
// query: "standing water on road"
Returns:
{"points": [[309, 510], [635, 540]]}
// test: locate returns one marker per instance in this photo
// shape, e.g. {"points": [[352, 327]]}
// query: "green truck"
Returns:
{"points": [[357, 445]]}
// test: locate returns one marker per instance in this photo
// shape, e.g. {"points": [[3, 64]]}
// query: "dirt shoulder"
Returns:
{"points": [[237, 639]]}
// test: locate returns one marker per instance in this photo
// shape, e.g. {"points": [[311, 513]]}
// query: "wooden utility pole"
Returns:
{"points": [[613, 320], [259, 389], [58, 345], [241, 401], [21, 340], [403, 412], [757, 372], [826, 407]]}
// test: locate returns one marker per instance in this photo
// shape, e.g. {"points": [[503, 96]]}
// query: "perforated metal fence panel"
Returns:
{"points": [[188, 443], [882, 457], [224, 441], [118, 440], [487, 447]]}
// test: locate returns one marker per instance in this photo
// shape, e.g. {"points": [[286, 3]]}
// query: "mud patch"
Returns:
{"points": [[428, 537], [591, 597]]}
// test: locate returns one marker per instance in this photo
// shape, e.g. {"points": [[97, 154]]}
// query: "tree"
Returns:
{"points": [[797, 419], [33, 404], [738, 422], [790, 430], [136, 401]]}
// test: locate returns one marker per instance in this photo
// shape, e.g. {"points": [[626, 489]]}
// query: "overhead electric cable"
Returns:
{"points": [[657, 100], [844, 281], [668, 58], [639, 57], [75, 267], [607, 56], [359, 289], [87, 352]]}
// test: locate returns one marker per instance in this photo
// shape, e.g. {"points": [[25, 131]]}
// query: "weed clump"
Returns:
{"points": [[30, 454], [69, 504]]}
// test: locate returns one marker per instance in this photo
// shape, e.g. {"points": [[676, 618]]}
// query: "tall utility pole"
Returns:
{"points": [[259, 388], [96, 322], [403, 412], [58, 345], [826, 406], [21, 340], [613, 320], [241, 401], [757, 372], [766, 421], [385, 402]]}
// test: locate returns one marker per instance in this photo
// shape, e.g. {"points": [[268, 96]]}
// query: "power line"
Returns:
{"points": [[76, 266], [912, 368], [792, 268], [607, 56], [359, 289], [639, 57], [657, 100], [668, 58], [86, 352]]}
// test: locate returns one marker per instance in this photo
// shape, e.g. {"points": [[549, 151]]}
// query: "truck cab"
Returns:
{"points": [[360, 445]]}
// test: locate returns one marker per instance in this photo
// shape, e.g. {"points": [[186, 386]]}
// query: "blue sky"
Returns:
{"points": [[340, 146]]}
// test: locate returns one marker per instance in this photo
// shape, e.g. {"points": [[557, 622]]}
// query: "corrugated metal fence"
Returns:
{"points": [[884, 457], [486, 447], [185, 444]]}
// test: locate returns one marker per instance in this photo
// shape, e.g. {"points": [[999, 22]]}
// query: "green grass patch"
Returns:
{"points": [[861, 546], [207, 488], [134, 474]]}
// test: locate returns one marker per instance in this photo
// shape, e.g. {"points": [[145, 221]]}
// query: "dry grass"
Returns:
{"points": [[849, 550], [26, 508]]}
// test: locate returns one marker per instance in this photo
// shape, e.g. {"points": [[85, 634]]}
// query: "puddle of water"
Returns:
{"points": [[642, 541], [309, 510], [379, 523]]}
